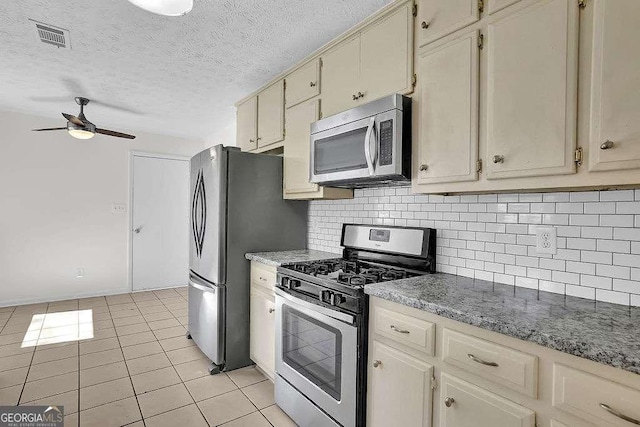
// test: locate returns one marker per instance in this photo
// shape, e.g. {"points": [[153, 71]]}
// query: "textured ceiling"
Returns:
{"points": [[175, 76]]}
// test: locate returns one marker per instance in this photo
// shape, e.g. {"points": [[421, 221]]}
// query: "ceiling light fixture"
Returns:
{"points": [[81, 133], [165, 7]]}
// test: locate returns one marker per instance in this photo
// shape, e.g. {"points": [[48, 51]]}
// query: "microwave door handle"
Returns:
{"points": [[374, 156], [367, 145]]}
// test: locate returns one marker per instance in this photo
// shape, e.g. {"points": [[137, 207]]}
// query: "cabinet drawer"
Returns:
{"points": [[588, 396], [465, 405], [416, 333], [302, 84], [263, 275], [508, 367]]}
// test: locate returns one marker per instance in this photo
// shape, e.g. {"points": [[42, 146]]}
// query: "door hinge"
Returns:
{"points": [[284, 83], [414, 80], [415, 9], [284, 133], [578, 156], [582, 4], [434, 383], [480, 6], [479, 166], [481, 41], [321, 62]]}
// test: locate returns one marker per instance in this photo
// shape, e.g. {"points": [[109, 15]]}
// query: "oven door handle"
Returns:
{"points": [[338, 315], [367, 145]]}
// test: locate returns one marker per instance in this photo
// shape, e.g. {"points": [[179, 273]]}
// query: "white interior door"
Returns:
{"points": [[160, 222]]}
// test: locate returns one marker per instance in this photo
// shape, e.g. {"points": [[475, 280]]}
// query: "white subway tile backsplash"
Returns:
{"points": [[492, 237], [617, 196], [612, 297]]}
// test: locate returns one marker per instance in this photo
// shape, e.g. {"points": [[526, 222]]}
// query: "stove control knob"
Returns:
{"points": [[326, 296], [337, 299], [292, 284]]}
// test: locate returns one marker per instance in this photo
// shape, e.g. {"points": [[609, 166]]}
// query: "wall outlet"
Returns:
{"points": [[546, 240], [118, 208], [80, 273]]}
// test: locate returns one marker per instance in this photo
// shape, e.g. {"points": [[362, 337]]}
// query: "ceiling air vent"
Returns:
{"points": [[52, 35]]}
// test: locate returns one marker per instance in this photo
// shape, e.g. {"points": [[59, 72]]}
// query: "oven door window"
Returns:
{"points": [[342, 152], [313, 349]]}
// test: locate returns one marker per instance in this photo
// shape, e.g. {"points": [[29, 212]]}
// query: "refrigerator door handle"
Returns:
{"points": [[202, 288]]}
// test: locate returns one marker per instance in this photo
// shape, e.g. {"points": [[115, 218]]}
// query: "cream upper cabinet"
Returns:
{"points": [[247, 124], [303, 83], [447, 149], [271, 114], [399, 389], [340, 76], [465, 405], [437, 18], [376, 62], [531, 91], [386, 56], [615, 89], [296, 148]]}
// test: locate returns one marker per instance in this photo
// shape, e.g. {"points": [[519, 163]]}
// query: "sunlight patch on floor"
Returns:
{"points": [[54, 328]]}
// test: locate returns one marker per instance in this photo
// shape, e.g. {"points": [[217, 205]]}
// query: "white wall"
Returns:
{"points": [[56, 194]]}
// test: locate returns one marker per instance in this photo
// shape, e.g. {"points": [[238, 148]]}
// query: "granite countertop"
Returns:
{"points": [[276, 259], [602, 332]]}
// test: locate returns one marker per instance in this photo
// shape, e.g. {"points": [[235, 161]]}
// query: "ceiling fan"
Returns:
{"points": [[81, 128]]}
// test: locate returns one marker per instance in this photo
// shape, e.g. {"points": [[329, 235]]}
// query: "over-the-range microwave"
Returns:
{"points": [[365, 146]]}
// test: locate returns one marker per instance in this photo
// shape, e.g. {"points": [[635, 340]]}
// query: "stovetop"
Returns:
{"points": [[351, 273]]}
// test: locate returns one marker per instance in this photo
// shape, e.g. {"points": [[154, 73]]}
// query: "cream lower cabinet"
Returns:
{"points": [[296, 156], [614, 141], [466, 405], [427, 370], [262, 329], [399, 389], [375, 62], [531, 91]]}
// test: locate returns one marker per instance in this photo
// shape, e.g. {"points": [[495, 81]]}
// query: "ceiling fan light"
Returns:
{"points": [[81, 133], [165, 7]]}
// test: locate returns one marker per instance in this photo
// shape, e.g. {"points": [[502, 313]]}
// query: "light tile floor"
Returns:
{"points": [[124, 360]]}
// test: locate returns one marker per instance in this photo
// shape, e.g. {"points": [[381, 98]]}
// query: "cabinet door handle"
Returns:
{"points": [[606, 145], [258, 139], [312, 84], [424, 167], [449, 401], [613, 412], [400, 331], [360, 95], [271, 310], [480, 361], [354, 97], [251, 140], [424, 25], [262, 279], [498, 158], [377, 363]]}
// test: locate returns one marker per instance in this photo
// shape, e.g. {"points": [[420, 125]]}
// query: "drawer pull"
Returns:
{"points": [[482, 362], [376, 363], [449, 401], [271, 310], [400, 331], [612, 411]]}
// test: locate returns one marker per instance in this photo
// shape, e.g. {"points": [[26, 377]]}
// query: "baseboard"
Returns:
{"points": [[64, 297]]}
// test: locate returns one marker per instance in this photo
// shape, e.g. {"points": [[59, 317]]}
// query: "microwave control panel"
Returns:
{"points": [[386, 142]]}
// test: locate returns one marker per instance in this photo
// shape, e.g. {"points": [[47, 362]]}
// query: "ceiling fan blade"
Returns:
{"points": [[73, 119], [114, 133], [40, 130]]}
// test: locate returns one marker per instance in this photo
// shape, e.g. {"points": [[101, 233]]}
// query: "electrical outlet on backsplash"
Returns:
{"points": [[493, 236]]}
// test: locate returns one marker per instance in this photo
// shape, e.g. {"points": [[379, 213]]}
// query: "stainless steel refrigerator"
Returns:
{"points": [[236, 207]]}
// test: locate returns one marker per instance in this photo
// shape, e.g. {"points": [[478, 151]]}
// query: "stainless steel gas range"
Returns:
{"points": [[321, 327]]}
